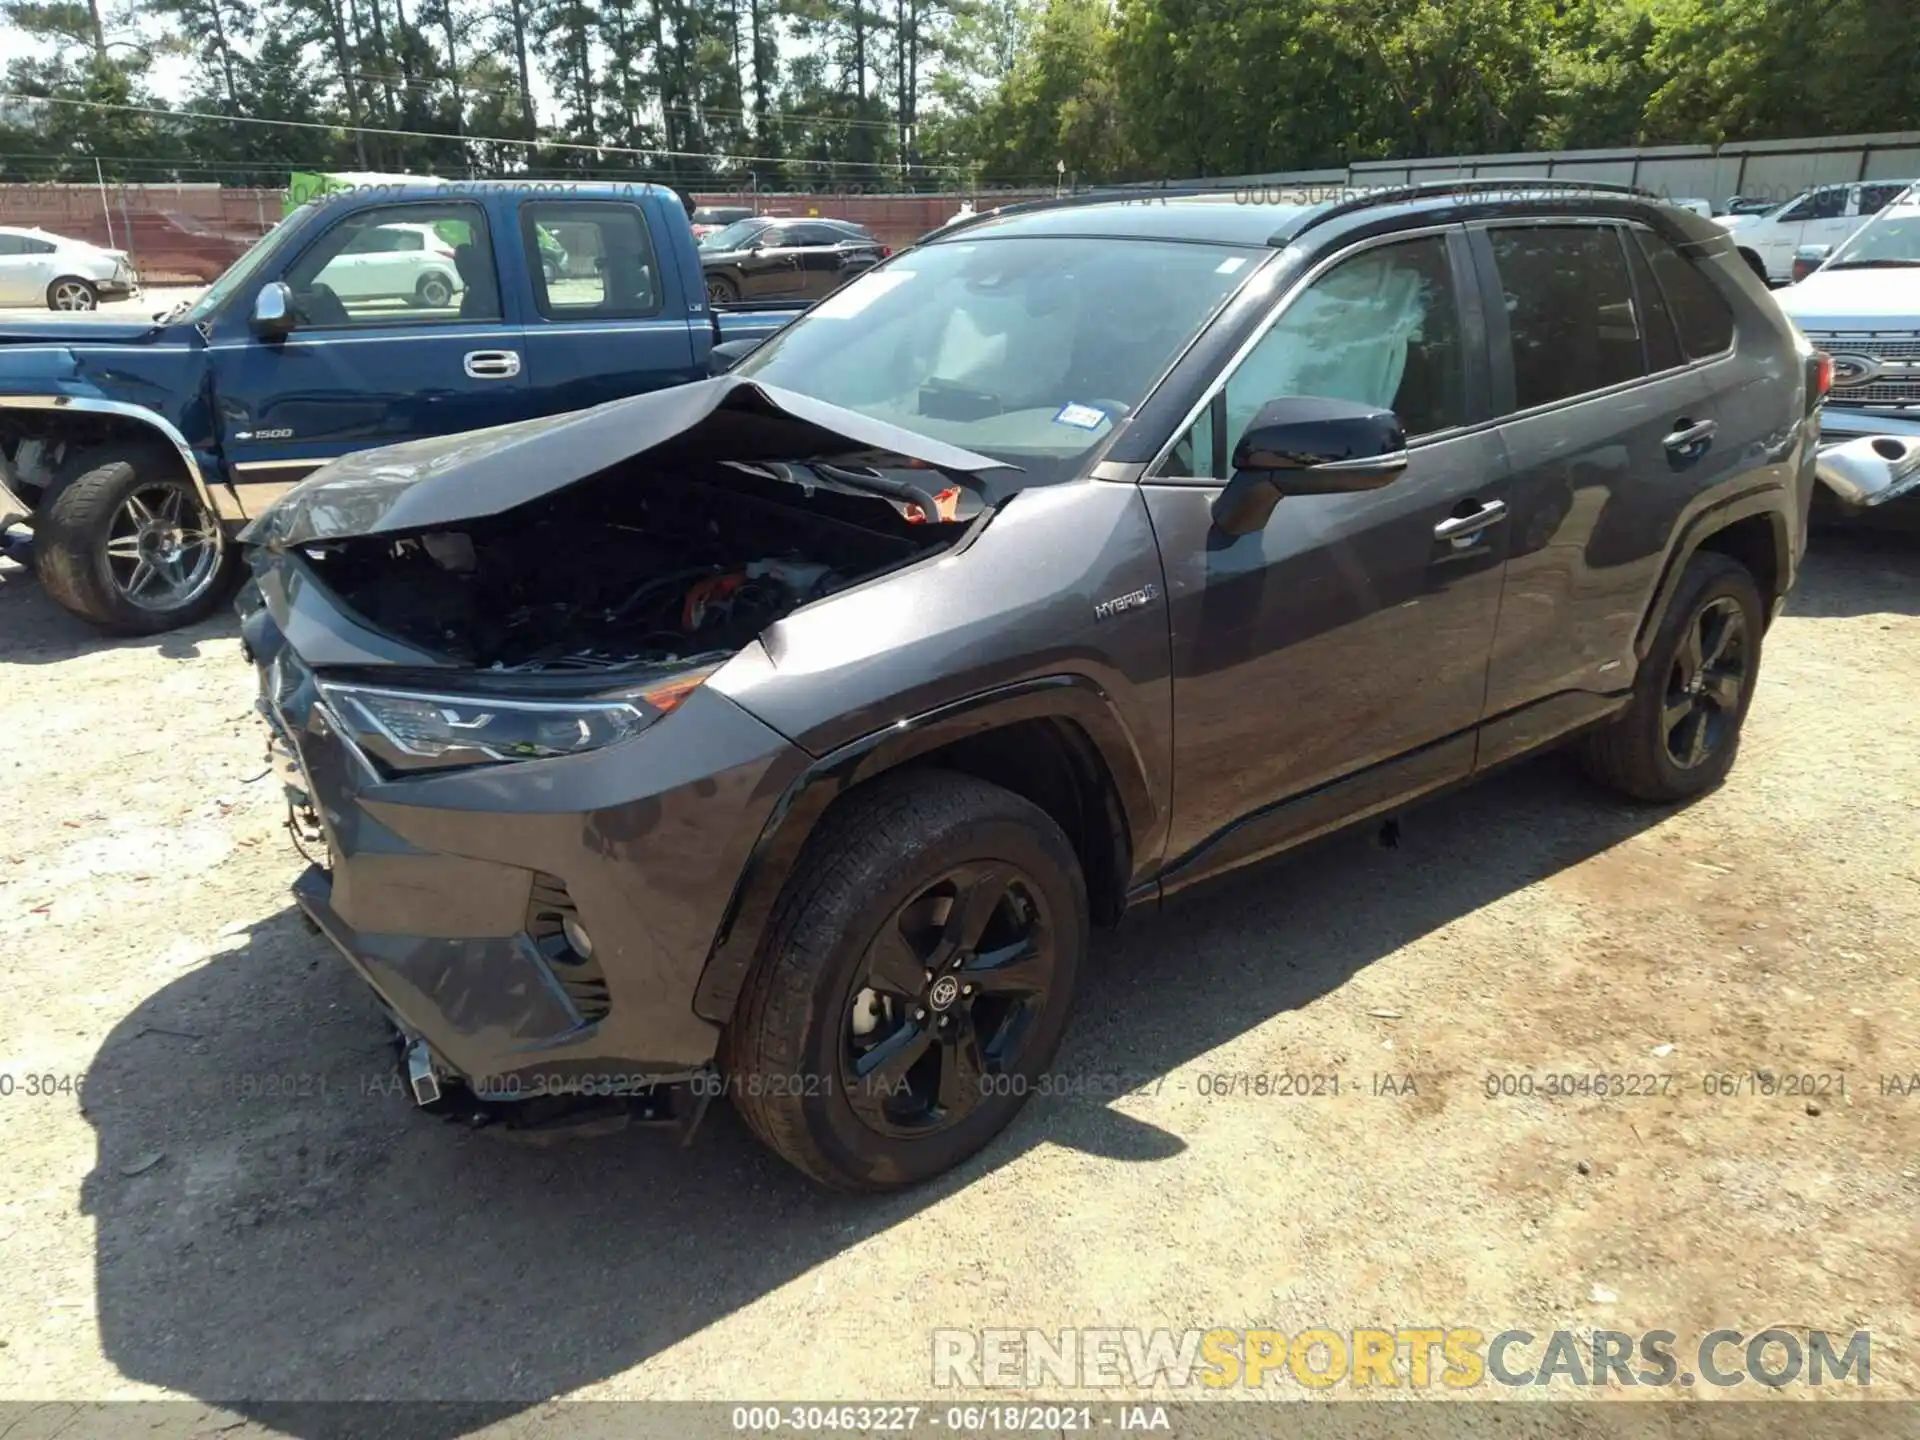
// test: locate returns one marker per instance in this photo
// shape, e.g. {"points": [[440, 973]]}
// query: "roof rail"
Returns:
{"points": [[1105, 195], [1517, 185]]}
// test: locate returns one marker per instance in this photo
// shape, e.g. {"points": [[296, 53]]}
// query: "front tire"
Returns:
{"points": [[73, 294], [128, 543], [722, 291], [1757, 265], [1679, 735], [914, 983]]}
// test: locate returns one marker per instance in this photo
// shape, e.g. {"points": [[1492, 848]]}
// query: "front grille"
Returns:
{"points": [[1896, 350], [579, 975]]}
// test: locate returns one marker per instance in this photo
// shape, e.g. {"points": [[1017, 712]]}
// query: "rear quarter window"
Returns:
{"points": [[1700, 312]]}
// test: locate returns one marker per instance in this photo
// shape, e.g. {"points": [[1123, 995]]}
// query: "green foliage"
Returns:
{"points": [[928, 93]]}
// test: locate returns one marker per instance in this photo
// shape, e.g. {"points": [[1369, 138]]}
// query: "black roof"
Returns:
{"points": [[1276, 215]]}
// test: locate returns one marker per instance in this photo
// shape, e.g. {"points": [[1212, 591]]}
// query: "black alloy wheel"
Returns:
{"points": [[1705, 685], [953, 987]]}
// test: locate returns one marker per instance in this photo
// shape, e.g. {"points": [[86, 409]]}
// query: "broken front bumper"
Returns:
{"points": [[451, 892], [1869, 458]]}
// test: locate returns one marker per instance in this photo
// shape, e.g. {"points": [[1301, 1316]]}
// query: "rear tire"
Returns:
{"points": [[126, 542], [1679, 735], [71, 293], [877, 927], [433, 292]]}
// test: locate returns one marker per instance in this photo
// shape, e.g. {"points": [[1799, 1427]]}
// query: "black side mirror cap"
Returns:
{"points": [[729, 353], [1308, 445], [273, 315]]}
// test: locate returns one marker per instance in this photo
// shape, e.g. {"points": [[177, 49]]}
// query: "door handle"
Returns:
{"points": [[491, 364], [1462, 527], [1689, 433]]}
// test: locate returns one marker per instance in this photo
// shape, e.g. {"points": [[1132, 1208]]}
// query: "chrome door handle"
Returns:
{"points": [[1459, 527], [1690, 435], [491, 364]]}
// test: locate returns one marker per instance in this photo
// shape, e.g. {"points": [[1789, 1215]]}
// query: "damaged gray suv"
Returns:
{"points": [[784, 736]]}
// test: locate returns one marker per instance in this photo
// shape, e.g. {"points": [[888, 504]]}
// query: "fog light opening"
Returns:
{"points": [[577, 937], [1887, 448]]}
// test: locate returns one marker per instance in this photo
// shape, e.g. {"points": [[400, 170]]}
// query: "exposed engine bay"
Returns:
{"points": [[640, 566]]}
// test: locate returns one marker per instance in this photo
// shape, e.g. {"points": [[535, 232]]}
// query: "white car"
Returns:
{"points": [[1862, 307], [1825, 215], [401, 261], [40, 268]]}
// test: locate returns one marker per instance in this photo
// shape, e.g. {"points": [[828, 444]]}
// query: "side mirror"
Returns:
{"points": [[1308, 446], [729, 353], [1809, 258], [273, 315]]}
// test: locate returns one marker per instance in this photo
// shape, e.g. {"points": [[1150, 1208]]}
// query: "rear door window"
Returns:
{"points": [[1568, 298], [596, 259]]}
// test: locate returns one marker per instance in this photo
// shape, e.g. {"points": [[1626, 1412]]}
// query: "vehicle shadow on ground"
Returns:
{"points": [[35, 631], [1859, 570], [276, 1227]]}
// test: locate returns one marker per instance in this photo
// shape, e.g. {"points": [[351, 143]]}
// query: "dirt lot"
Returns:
{"points": [[190, 1228]]}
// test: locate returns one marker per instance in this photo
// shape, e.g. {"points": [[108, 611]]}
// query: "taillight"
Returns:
{"points": [[885, 251]]}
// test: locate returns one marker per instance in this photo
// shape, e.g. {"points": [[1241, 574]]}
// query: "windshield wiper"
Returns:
{"points": [[1888, 263]]}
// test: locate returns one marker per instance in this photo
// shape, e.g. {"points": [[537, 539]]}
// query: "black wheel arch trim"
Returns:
{"points": [[1771, 501], [1074, 699]]}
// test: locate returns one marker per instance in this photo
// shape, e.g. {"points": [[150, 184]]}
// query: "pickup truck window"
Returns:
{"points": [[605, 267], [398, 265]]}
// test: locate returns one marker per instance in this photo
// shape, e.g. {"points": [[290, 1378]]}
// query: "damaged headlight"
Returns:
{"points": [[417, 730]]}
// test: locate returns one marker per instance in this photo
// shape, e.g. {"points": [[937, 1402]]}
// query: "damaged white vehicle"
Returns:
{"points": [[1862, 308]]}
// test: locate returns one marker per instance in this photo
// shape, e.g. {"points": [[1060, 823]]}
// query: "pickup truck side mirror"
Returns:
{"points": [[273, 314], [1308, 445], [1809, 258]]}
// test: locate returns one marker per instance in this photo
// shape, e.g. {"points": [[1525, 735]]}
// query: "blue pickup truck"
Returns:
{"points": [[368, 317]]}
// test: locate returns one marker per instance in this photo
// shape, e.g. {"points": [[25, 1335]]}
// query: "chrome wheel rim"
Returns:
{"points": [[72, 295], [1705, 685], [952, 990], [163, 549]]}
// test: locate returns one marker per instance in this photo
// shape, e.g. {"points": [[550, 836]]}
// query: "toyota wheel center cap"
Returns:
{"points": [[943, 992]]}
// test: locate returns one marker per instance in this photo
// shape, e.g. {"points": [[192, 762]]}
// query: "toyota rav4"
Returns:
{"points": [[785, 735]]}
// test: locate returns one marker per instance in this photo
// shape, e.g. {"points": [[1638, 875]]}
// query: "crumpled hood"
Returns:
{"points": [[450, 480]]}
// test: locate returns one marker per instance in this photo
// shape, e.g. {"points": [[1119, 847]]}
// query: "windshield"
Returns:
{"points": [[236, 275], [1891, 239], [734, 235], [1027, 350]]}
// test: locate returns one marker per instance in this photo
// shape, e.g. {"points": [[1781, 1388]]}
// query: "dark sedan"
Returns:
{"points": [[770, 257]]}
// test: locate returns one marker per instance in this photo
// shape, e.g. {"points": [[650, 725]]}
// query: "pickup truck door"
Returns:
{"points": [[1807, 221], [358, 372], [613, 322]]}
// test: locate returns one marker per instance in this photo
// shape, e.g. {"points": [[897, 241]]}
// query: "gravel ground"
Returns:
{"points": [[240, 1210]]}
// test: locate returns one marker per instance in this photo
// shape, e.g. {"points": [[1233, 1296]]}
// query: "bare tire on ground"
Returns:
{"points": [[1679, 735], [126, 542], [70, 292], [914, 982], [721, 290]]}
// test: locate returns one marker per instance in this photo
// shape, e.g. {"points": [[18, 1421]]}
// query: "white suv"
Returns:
{"points": [[40, 268], [401, 261], [1825, 215]]}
